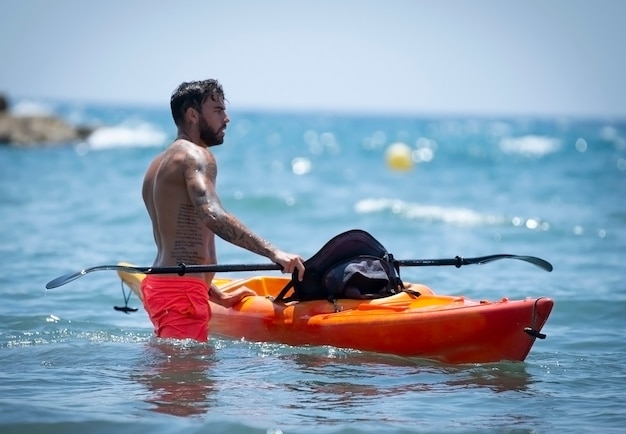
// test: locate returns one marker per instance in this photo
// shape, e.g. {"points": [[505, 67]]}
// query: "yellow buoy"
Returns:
{"points": [[398, 156]]}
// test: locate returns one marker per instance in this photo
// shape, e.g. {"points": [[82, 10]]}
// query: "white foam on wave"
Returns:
{"points": [[447, 215], [127, 135], [531, 145], [415, 211]]}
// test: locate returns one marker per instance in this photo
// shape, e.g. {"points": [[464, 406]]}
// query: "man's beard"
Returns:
{"points": [[209, 136]]}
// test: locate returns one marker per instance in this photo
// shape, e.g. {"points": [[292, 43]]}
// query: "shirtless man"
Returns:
{"points": [[186, 213]]}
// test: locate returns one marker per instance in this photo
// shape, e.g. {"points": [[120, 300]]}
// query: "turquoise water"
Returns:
{"points": [[552, 188]]}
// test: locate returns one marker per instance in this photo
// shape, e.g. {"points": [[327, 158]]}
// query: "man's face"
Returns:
{"points": [[212, 122]]}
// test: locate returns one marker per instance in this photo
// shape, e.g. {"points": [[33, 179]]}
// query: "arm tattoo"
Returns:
{"points": [[232, 230], [201, 186]]}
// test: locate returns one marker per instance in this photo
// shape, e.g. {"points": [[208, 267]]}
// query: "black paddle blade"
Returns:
{"points": [[66, 278], [541, 263], [459, 261]]}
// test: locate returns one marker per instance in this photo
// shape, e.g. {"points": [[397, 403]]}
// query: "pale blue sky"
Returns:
{"points": [[535, 57]]}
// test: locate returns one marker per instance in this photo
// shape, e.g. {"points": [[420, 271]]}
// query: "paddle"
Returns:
{"points": [[181, 270], [184, 269]]}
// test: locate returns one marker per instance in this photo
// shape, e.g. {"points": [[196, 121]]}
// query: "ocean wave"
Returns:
{"points": [[415, 211], [32, 331], [531, 145], [127, 135], [447, 215]]}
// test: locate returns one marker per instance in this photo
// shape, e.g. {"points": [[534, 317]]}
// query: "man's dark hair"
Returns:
{"points": [[194, 94]]}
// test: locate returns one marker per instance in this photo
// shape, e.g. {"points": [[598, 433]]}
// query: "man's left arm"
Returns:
{"points": [[230, 299]]}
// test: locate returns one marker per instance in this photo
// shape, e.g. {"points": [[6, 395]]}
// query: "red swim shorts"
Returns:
{"points": [[177, 306]]}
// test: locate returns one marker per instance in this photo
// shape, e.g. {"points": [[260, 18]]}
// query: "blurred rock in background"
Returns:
{"points": [[29, 130]]}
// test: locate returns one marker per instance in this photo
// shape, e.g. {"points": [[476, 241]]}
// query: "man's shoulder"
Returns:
{"points": [[185, 145], [183, 152]]}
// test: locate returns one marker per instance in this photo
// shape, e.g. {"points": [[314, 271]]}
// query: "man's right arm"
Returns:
{"points": [[200, 175]]}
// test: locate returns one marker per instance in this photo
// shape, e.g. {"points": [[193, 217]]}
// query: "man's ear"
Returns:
{"points": [[192, 116]]}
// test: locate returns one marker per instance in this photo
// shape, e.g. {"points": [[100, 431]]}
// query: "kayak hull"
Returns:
{"points": [[439, 327]]}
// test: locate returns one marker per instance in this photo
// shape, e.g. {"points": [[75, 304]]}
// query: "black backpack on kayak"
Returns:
{"points": [[353, 264]]}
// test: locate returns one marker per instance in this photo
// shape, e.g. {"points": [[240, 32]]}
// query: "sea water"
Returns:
{"points": [[548, 187]]}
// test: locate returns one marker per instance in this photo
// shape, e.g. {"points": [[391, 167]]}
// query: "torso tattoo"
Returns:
{"points": [[189, 245]]}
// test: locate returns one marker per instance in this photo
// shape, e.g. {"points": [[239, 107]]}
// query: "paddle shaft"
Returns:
{"points": [[183, 269]]}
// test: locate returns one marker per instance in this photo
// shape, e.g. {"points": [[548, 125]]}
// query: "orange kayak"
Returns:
{"points": [[445, 328]]}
